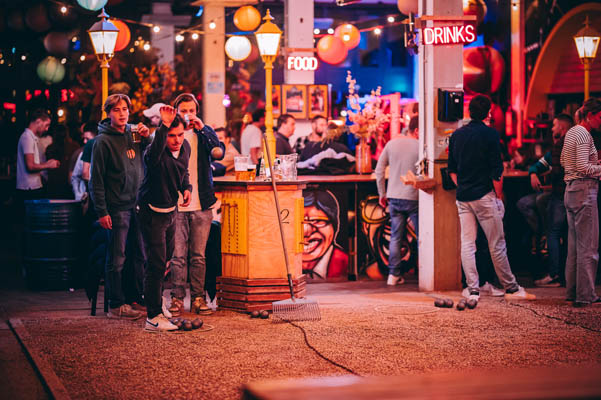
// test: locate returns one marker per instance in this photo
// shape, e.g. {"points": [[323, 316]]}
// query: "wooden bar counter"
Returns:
{"points": [[253, 266]]}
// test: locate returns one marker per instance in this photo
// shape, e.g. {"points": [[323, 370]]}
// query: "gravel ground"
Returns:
{"points": [[387, 333]]}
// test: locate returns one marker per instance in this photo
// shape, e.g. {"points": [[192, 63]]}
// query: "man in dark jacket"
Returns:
{"points": [[166, 175], [114, 183], [193, 222]]}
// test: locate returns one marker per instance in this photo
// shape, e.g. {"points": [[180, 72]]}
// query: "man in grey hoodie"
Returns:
{"points": [[117, 172]]}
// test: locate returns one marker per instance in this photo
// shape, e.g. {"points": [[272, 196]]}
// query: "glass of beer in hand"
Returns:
{"points": [[241, 168], [135, 135]]}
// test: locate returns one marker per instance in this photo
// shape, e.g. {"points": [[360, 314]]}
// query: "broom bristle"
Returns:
{"points": [[296, 310]]}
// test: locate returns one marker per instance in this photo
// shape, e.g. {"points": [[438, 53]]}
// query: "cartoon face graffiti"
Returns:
{"points": [[319, 234]]}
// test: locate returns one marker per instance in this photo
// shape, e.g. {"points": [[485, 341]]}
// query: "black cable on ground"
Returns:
{"points": [[309, 345], [565, 321]]}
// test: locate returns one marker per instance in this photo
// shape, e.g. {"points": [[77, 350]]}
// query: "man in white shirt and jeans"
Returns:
{"points": [[29, 167]]}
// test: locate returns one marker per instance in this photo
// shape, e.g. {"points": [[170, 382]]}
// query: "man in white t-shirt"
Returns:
{"points": [[250, 140], [29, 166]]}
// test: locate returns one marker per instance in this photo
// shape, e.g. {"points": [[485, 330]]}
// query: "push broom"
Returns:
{"points": [[293, 309]]}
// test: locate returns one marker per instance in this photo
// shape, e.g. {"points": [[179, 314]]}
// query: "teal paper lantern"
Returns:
{"points": [[50, 70], [92, 5]]}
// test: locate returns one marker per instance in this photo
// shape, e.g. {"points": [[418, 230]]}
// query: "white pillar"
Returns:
{"points": [[164, 40], [440, 66], [298, 33], [213, 65]]}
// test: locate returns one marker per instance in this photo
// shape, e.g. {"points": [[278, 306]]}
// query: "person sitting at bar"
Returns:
{"points": [[319, 126], [251, 137], [286, 126], [401, 154], [230, 151], [166, 175], [327, 156]]}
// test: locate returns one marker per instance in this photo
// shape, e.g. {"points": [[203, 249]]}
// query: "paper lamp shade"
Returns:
{"points": [[50, 70], [349, 34], [124, 35], [331, 49], [36, 18], [407, 6], [247, 18], [57, 43], [92, 5], [238, 48]]}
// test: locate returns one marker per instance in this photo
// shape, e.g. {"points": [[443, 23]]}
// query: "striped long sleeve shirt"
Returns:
{"points": [[579, 156]]}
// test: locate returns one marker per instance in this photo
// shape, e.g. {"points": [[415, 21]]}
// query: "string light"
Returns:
{"points": [[377, 31], [179, 38], [64, 9], [331, 31], [23, 57], [131, 50], [146, 46], [194, 36], [63, 60], [316, 31], [156, 29], [60, 112], [82, 57], [391, 19], [74, 39]]}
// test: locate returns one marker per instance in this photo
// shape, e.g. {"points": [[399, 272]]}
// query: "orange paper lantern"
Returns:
{"points": [[349, 34], [247, 18], [124, 34], [407, 6], [331, 49]]}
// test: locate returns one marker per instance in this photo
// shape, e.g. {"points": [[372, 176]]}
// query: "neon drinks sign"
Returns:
{"points": [[449, 34]]}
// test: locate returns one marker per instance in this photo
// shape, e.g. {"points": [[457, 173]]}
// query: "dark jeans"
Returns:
{"points": [[213, 256], [400, 210], [123, 223], [158, 230]]}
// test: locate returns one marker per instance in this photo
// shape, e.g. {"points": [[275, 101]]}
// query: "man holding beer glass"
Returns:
{"points": [[193, 222], [116, 176]]}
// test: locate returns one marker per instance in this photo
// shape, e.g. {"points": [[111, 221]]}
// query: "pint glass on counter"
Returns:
{"points": [[241, 167]]}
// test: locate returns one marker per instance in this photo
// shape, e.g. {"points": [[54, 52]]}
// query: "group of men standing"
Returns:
{"points": [[158, 195]]}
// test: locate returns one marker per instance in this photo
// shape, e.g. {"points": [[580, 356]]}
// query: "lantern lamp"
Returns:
{"points": [[268, 37], [587, 43]]}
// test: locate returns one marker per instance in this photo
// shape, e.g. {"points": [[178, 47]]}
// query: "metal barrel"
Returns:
{"points": [[52, 243]]}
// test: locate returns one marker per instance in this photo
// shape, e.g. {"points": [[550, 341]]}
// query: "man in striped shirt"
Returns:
{"points": [[581, 174]]}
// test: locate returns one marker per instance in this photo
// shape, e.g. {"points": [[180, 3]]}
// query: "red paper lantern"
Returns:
{"points": [[37, 19], [124, 34], [57, 43], [483, 69], [254, 54], [331, 49], [247, 18], [349, 34]]}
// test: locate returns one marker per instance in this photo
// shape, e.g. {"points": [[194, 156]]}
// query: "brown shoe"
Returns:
{"points": [[124, 312], [138, 307], [199, 306], [177, 307]]}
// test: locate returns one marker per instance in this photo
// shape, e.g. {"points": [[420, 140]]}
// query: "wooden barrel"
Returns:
{"points": [[52, 243]]}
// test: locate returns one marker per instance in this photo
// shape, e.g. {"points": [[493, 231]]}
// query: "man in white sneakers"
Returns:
{"points": [[476, 168]]}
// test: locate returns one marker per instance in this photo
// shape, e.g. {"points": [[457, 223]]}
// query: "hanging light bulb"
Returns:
{"points": [[63, 9], [212, 25], [156, 29], [146, 46], [377, 31], [179, 38], [316, 31], [391, 19], [195, 36]]}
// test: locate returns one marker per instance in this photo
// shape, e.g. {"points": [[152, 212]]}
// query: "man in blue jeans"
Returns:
{"points": [[476, 168], [116, 176], [401, 154], [193, 221]]}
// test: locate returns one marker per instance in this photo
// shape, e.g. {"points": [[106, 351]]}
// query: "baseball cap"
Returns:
{"points": [[153, 111]]}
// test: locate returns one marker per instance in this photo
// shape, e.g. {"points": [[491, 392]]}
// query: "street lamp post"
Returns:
{"points": [[587, 42], [268, 39], [104, 37]]}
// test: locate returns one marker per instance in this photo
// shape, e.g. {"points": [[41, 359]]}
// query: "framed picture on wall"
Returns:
{"points": [[318, 101], [276, 99], [294, 100]]}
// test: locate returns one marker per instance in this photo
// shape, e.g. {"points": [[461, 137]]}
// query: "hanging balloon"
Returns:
{"points": [[124, 35], [349, 34], [247, 18], [407, 6], [483, 69], [15, 21], [331, 49], [57, 43], [475, 7], [238, 48], [50, 70], [92, 5], [37, 19]]}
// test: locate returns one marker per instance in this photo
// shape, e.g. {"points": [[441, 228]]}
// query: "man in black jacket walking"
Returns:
{"points": [[193, 222], [114, 183], [166, 175]]}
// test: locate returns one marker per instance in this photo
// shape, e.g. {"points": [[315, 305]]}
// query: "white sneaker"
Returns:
{"points": [[158, 324], [489, 290], [166, 312], [395, 280], [470, 296], [212, 304], [521, 294]]}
